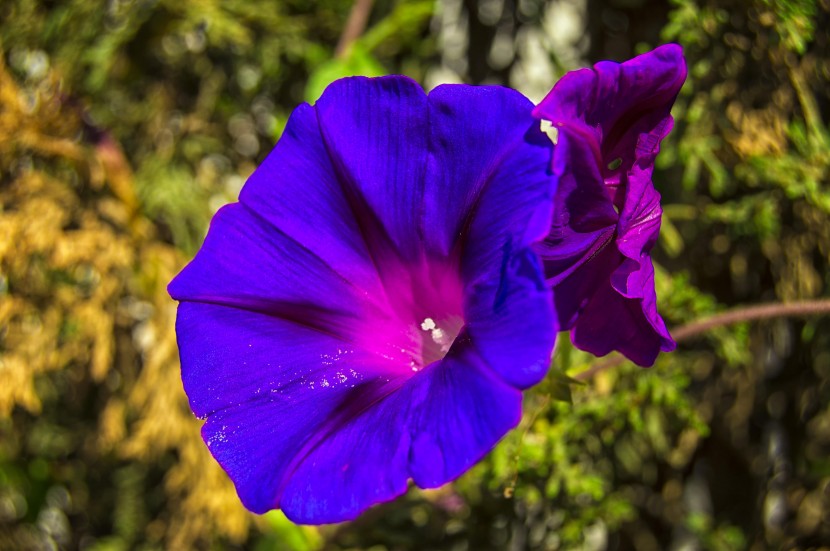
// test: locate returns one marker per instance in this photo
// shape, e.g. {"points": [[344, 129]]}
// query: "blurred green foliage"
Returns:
{"points": [[125, 124]]}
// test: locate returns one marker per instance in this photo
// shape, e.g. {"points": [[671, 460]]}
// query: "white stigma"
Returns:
{"points": [[551, 131], [438, 335]]}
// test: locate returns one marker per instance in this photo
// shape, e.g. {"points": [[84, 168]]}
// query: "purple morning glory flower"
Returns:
{"points": [[610, 121], [370, 310]]}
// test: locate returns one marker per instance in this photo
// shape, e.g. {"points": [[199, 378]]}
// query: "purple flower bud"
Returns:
{"points": [[609, 122]]}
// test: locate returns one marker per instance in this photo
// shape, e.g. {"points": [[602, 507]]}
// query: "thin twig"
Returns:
{"points": [[749, 313], [511, 486], [599, 367], [738, 315], [355, 26]]}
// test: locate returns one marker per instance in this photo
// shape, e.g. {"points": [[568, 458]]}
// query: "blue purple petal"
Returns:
{"points": [[376, 132], [370, 309]]}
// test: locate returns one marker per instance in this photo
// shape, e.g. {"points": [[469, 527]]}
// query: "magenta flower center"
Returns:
{"points": [[422, 317]]}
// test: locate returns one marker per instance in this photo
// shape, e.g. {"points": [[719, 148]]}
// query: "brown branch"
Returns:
{"points": [[750, 313], [738, 315], [599, 367], [355, 26]]}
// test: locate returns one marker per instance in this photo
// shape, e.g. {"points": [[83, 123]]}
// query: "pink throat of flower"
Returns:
{"points": [[423, 316]]}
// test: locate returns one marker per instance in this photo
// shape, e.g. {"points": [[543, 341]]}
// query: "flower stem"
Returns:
{"points": [[738, 315]]}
